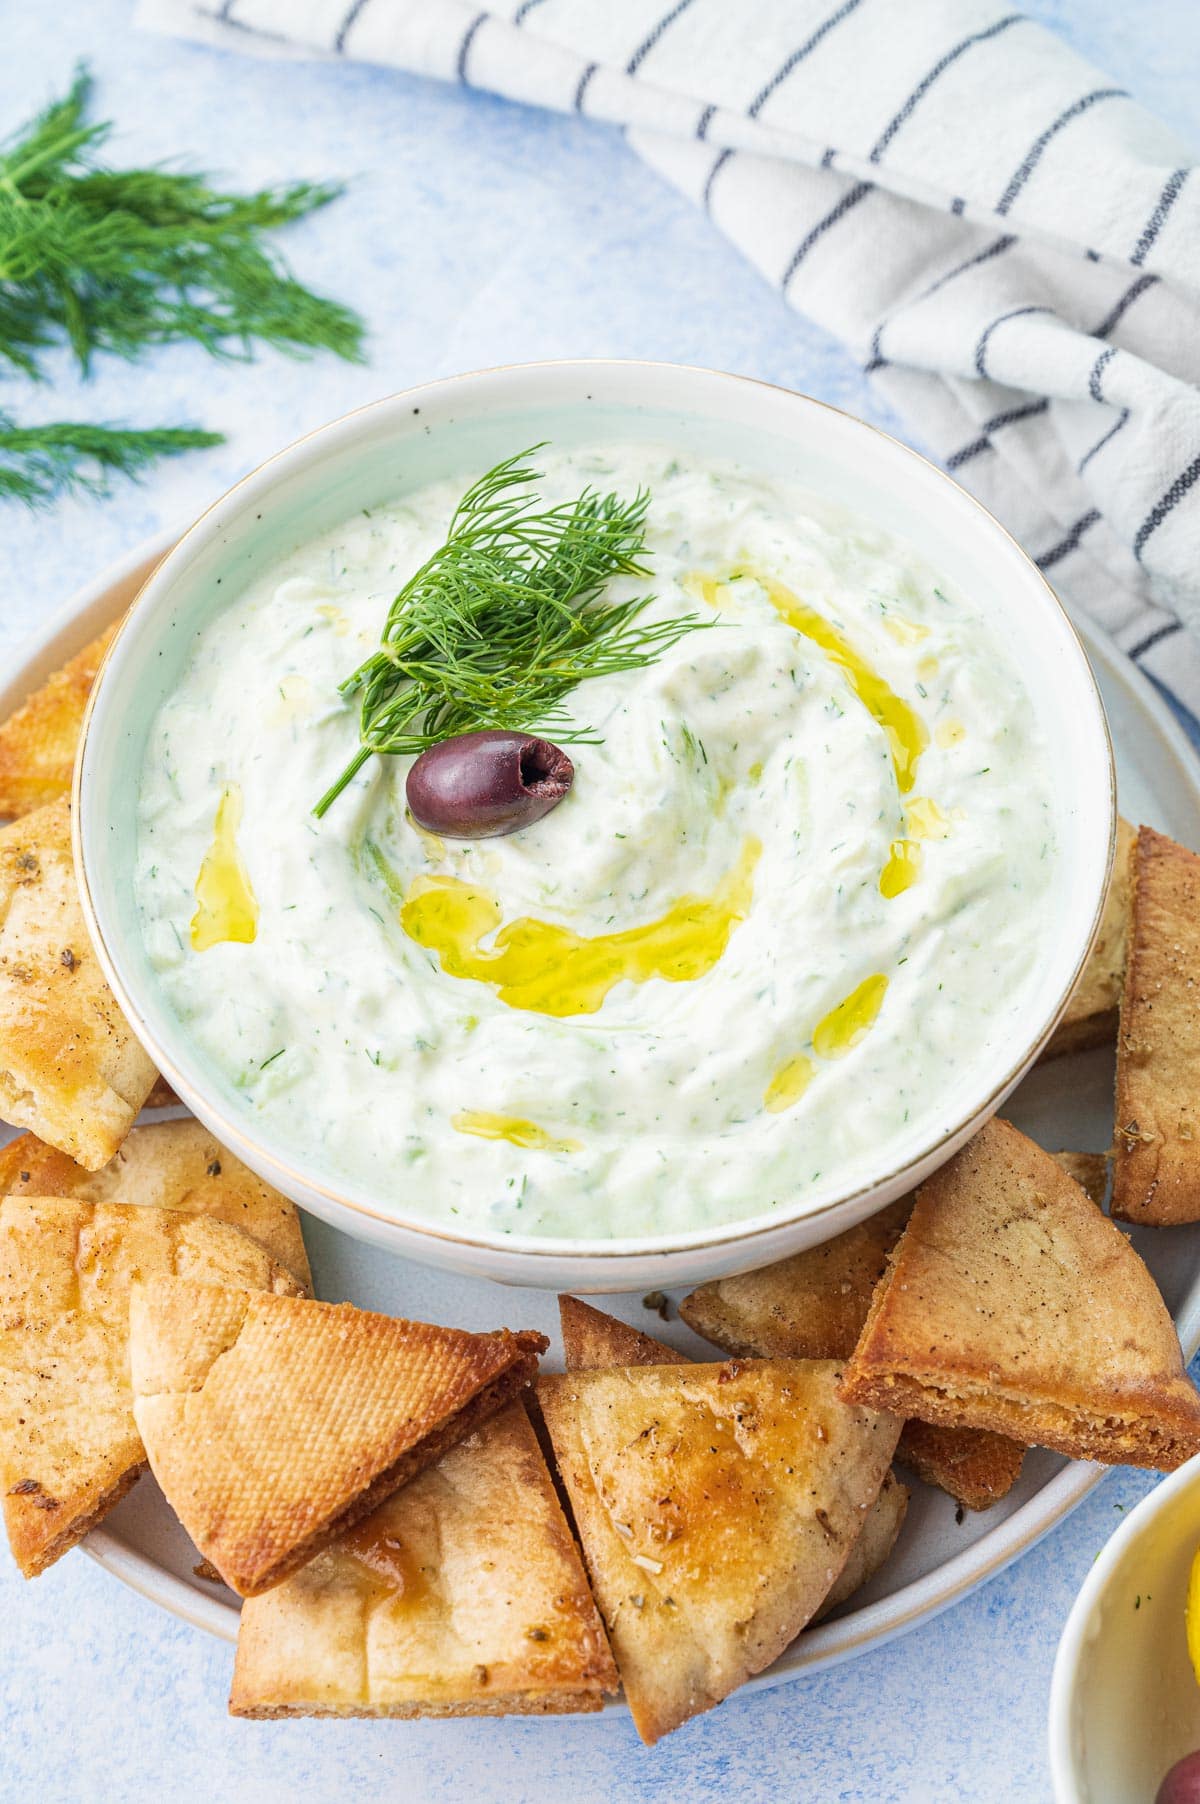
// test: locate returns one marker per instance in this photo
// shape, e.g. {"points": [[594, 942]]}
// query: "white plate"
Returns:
{"points": [[1065, 1104]]}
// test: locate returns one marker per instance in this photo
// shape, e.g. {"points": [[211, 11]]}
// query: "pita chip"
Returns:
{"points": [[813, 1306], [70, 1068], [462, 1595], [1013, 1304], [1156, 1152], [716, 1506], [1090, 1017], [38, 741], [1090, 1172], [879, 1534], [69, 1448], [591, 1339], [810, 1306], [273, 1424], [168, 1165]]}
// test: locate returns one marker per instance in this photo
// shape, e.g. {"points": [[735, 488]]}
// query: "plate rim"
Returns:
{"points": [[69, 628]]}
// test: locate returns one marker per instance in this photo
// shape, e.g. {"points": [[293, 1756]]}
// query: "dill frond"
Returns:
{"points": [[506, 619], [120, 260], [40, 463]]}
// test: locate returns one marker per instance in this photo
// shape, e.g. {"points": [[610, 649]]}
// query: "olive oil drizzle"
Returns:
{"points": [[226, 906], [550, 969], [836, 1034], [902, 726], [511, 1128]]}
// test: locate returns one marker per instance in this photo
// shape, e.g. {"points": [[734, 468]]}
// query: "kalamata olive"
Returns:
{"points": [[479, 785], [1182, 1783]]}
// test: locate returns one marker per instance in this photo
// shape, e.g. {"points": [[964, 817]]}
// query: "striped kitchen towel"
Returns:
{"points": [[1006, 240]]}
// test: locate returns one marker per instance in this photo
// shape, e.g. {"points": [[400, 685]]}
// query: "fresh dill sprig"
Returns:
{"points": [[119, 260], [505, 619], [39, 463]]}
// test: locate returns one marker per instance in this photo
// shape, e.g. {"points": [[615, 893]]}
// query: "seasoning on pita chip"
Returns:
{"points": [[1013, 1304], [716, 1506], [813, 1306], [1090, 1017], [170, 1165], [462, 1595], [1156, 1150], [69, 1448], [38, 741], [273, 1424], [591, 1339], [70, 1068]]}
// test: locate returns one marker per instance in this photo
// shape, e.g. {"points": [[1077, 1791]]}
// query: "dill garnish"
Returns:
{"points": [[505, 619], [39, 462], [120, 260]]}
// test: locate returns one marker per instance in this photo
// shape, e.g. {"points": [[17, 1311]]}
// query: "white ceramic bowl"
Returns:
{"points": [[1124, 1701], [466, 424]]}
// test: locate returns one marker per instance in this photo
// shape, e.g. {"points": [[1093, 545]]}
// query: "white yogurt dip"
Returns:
{"points": [[831, 809]]}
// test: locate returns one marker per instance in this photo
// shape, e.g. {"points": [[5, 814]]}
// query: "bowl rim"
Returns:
{"points": [[1068, 1659], [523, 1247]]}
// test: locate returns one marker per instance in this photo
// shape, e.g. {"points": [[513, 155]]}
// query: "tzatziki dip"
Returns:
{"points": [[797, 884]]}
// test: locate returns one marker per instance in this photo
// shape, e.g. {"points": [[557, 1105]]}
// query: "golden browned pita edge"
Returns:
{"points": [[716, 1506], [466, 1587], [1013, 1304], [1090, 1017], [38, 740], [70, 1068], [273, 1424], [169, 1165], [162, 1096], [813, 1306], [1156, 1151], [974, 1466], [593, 1339], [69, 1447]]}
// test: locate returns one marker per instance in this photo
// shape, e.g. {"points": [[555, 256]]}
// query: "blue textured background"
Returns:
{"points": [[475, 233]]}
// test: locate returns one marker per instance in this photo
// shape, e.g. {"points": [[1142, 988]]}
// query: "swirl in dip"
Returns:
{"points": [[795, 888]]}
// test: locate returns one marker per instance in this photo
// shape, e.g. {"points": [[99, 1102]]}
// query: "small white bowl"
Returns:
{"points": [[1124, 1701], [468, 422]]}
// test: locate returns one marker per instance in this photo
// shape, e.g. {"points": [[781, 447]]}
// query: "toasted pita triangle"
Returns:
{"points": [[273, 1424], [1090, 1017], [813, 1306], [38, 741], [1013, 1304], [1156, 1155], [809, 1306], [462, 1595], [716, 1506], [593, 1339], [70, 1069], [69, 1448], [170, 1165]]}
